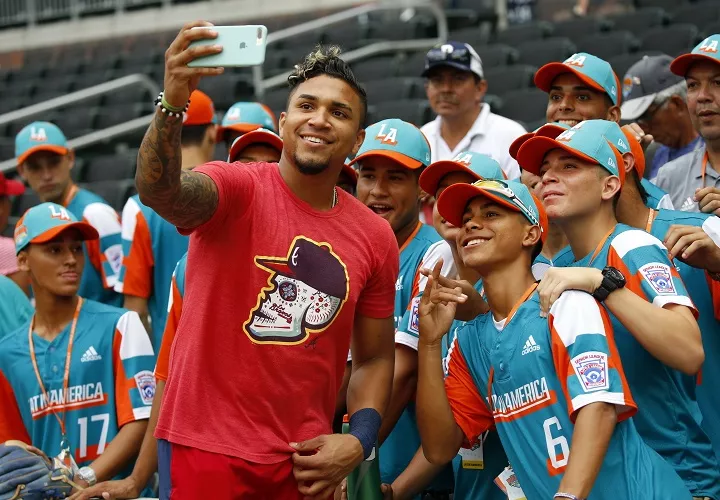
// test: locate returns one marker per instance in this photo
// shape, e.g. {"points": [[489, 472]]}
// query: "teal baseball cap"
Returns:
{"points": [[478, 166], [39, 136], [586, 140], [551, 130], [596, 73], [247, 116], [707, 50], [44, 222], [400, 141], [511, 194]]}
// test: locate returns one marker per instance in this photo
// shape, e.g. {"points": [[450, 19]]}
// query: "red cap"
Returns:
{"points": [[9, 187], [201, 110]]}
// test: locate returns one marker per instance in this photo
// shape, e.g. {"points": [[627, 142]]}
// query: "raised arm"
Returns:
{"points": [[183, 198]]}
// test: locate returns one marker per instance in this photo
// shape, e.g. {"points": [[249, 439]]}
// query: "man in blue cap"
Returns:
{"points": [[390, 161], [76, 379], [455, 86], [629, 271], [44, 160]]}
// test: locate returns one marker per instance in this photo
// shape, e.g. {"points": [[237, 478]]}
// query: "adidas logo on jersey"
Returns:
{"points": [[90, 355], [530, 346], [689, 204]]}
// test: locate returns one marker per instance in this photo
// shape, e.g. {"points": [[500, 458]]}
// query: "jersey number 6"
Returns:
{"points": [[558, 458]]}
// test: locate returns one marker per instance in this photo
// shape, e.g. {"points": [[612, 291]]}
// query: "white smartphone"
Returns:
{"points": [[242, 46]]}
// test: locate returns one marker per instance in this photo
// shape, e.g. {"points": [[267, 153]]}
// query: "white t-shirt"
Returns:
{"points": [[491, 134]]}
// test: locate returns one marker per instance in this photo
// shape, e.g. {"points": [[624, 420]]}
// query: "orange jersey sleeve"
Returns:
{"points": [[163, 363]]}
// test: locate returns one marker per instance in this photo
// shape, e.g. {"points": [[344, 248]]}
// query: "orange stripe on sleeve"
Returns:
{"points": [[11, 423], [715, 293], [123, 385], [162, 367], [470, 411], [139, 261], [615, 362]]}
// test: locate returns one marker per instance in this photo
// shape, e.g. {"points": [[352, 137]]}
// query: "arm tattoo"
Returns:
{"points": [[185, 199]]}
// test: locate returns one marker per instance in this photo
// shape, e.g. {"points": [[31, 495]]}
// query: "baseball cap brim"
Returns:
{"points": [[681, 64], [547, 130], [61, 150], [86, 230], [531, 154], [13, 188], [405, 161], [634, 108], [432, 175], [254, 137], [547, 74], [243, 128], [461, 67], [282, 268]]}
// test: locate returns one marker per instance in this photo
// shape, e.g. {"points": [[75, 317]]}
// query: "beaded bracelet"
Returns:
{"points": [[566, 495], [168, 109]]}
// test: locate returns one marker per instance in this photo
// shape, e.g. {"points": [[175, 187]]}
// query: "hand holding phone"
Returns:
{"points": [[241, 46]]}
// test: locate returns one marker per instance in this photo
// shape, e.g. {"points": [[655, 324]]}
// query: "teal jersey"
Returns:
{"points": [[669, 416], [563, 258], [151, 247], [111, 382], [705, 293], [15, 307], [423, 249], [476, 468], [656, 197], [531, 376], [103, 257]]}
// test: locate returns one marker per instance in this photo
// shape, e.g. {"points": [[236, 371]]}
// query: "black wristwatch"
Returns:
{"points": [[612, 280]]}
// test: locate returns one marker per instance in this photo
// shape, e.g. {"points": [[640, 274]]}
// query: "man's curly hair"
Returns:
{"points": [[325, 60]]}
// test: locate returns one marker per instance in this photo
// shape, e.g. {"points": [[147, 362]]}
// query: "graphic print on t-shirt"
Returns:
{"points": [[307, 288]]}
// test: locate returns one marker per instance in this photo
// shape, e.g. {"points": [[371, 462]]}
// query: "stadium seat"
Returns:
{"points": [[22, 203], [523, 33], [9, 230], [110, 168], [276, 98], [7, 147], [376, 68], [665, 4], [474, 36], [116, 114], [128, 95], [495, 102], [698, 14], [76, 121], [222, 89], [526, 105], [711, 28], [30, 73], [497, 55], [390, 89], [416, 111], [540, 52], [114, 192], [578, 28], [607, 45], [639, 21], [510, 78], [412, 64], [346, 35], [672, 40], [620, 64], [394, 30]]}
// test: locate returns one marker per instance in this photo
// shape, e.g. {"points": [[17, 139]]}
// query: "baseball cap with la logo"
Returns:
{"points": [[707, 50], [596, 73], [478, 166], [39, 136], [400, 141], [44, 222]]}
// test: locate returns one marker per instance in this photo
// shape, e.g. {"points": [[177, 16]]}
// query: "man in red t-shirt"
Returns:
{"points": [[278, 277]]}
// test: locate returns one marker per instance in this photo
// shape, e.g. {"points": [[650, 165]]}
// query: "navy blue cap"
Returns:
{"points": [[457, 55]]}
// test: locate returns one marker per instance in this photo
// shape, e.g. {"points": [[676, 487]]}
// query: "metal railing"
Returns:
{"points": [[77, 97], [261, 84]]}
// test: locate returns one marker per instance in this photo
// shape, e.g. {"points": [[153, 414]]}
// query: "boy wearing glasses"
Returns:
{"points": [[553, 386]]}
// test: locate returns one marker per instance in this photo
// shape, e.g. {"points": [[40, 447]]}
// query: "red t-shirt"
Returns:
{"points": [[272, 288]]}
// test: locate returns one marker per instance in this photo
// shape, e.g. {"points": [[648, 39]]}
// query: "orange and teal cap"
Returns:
{"points": [[596, 73], [400, 141], [245, 117], [551, 130], [587, 140], [258, 136], [511, 194], [478, 166], [707, 50], [39, 136], [44, 222]]}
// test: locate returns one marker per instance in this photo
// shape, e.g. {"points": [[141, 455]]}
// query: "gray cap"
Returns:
{"points": [[643, 81]]}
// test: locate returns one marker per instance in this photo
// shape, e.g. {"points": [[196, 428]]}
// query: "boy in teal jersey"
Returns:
{"points": [[553, 387], [390, 161], [651, 321], [585, 87], [77, 378], [474, 469], [44, 160], [15, 308]]}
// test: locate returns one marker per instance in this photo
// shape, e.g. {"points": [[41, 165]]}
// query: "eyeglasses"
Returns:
{"points": [[652, 110], [503, 189]]}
